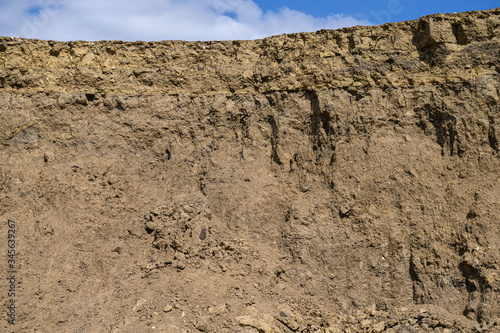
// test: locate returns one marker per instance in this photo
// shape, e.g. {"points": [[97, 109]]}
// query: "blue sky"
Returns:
{"points": [[152, 20], [379, 12]]}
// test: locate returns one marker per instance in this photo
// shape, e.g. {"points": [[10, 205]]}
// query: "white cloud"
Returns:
{"points": [[155, 20]]}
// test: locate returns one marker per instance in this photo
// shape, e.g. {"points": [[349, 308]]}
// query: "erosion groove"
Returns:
{"points": [[334, 181]]}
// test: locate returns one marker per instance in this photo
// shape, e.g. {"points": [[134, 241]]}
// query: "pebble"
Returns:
{"points": [[139, 304], [379, 327], [345, 209]]}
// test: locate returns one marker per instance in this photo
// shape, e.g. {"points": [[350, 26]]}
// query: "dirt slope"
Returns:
{"points": [[335, 181]]}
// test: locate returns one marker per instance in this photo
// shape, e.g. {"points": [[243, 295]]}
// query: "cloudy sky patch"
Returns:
{"points": [[152, 20]]}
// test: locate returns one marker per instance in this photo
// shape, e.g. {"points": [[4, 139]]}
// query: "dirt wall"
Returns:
{"points": [[335, 181]]}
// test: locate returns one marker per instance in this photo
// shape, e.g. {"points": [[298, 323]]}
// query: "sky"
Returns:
{"points": [[155, 20]]}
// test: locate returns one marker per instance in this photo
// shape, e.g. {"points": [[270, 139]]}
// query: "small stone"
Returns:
{"points": [[365, 323], [263, 325], [281, 286], [423, 315], [180, 265], [289, 318], [406, 329], [188, 209], [168, 308], [203, 234], [217, 310], [117, 249], [180, 256], [139, 304], [344, 210], [49, 156], [430, 322], [203, 323], [379, 327]]}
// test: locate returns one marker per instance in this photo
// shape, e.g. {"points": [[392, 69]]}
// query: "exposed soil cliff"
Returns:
{"points": [[343, 180]]}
